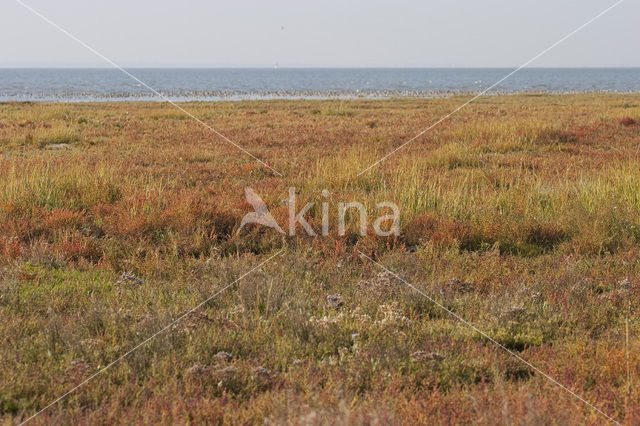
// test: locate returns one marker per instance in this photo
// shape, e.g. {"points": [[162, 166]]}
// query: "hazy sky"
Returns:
{"points": [[345, 33]]}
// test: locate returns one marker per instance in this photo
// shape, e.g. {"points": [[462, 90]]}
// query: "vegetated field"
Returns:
{"points": [[520, 214]]}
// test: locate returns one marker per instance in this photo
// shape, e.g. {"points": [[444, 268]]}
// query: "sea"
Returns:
{"points": [[195, 84]]}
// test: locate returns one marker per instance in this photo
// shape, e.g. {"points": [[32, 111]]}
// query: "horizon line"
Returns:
{"points": [[80, 67]]}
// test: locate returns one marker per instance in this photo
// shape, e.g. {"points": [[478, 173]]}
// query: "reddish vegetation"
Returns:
{"points": [[628, 121], [520, 214]]}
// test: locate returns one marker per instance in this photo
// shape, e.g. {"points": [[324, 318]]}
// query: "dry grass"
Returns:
{"points": [[521, 214]]}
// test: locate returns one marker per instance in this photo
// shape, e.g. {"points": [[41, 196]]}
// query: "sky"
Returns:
{"points": [[330, 33]]}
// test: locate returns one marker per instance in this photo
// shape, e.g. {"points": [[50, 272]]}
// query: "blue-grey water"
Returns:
{"points": [[219, 84]]}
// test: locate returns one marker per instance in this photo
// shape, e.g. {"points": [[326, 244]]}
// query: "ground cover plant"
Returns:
{"points": [[521, 214]]}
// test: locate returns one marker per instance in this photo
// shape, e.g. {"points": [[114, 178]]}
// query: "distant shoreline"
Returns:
{"points": [[298, 96]]}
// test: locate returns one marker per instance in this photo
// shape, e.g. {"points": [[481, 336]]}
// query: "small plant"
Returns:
{"points": [[628, 121]]}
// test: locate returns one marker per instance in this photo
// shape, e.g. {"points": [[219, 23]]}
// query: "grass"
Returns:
{"points": [[520, 214]]}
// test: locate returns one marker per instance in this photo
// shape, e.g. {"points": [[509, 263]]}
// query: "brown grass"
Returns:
{"points": [[520, 213]]}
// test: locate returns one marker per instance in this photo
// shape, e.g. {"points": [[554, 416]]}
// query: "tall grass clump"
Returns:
{"points": [[58, 183]]}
